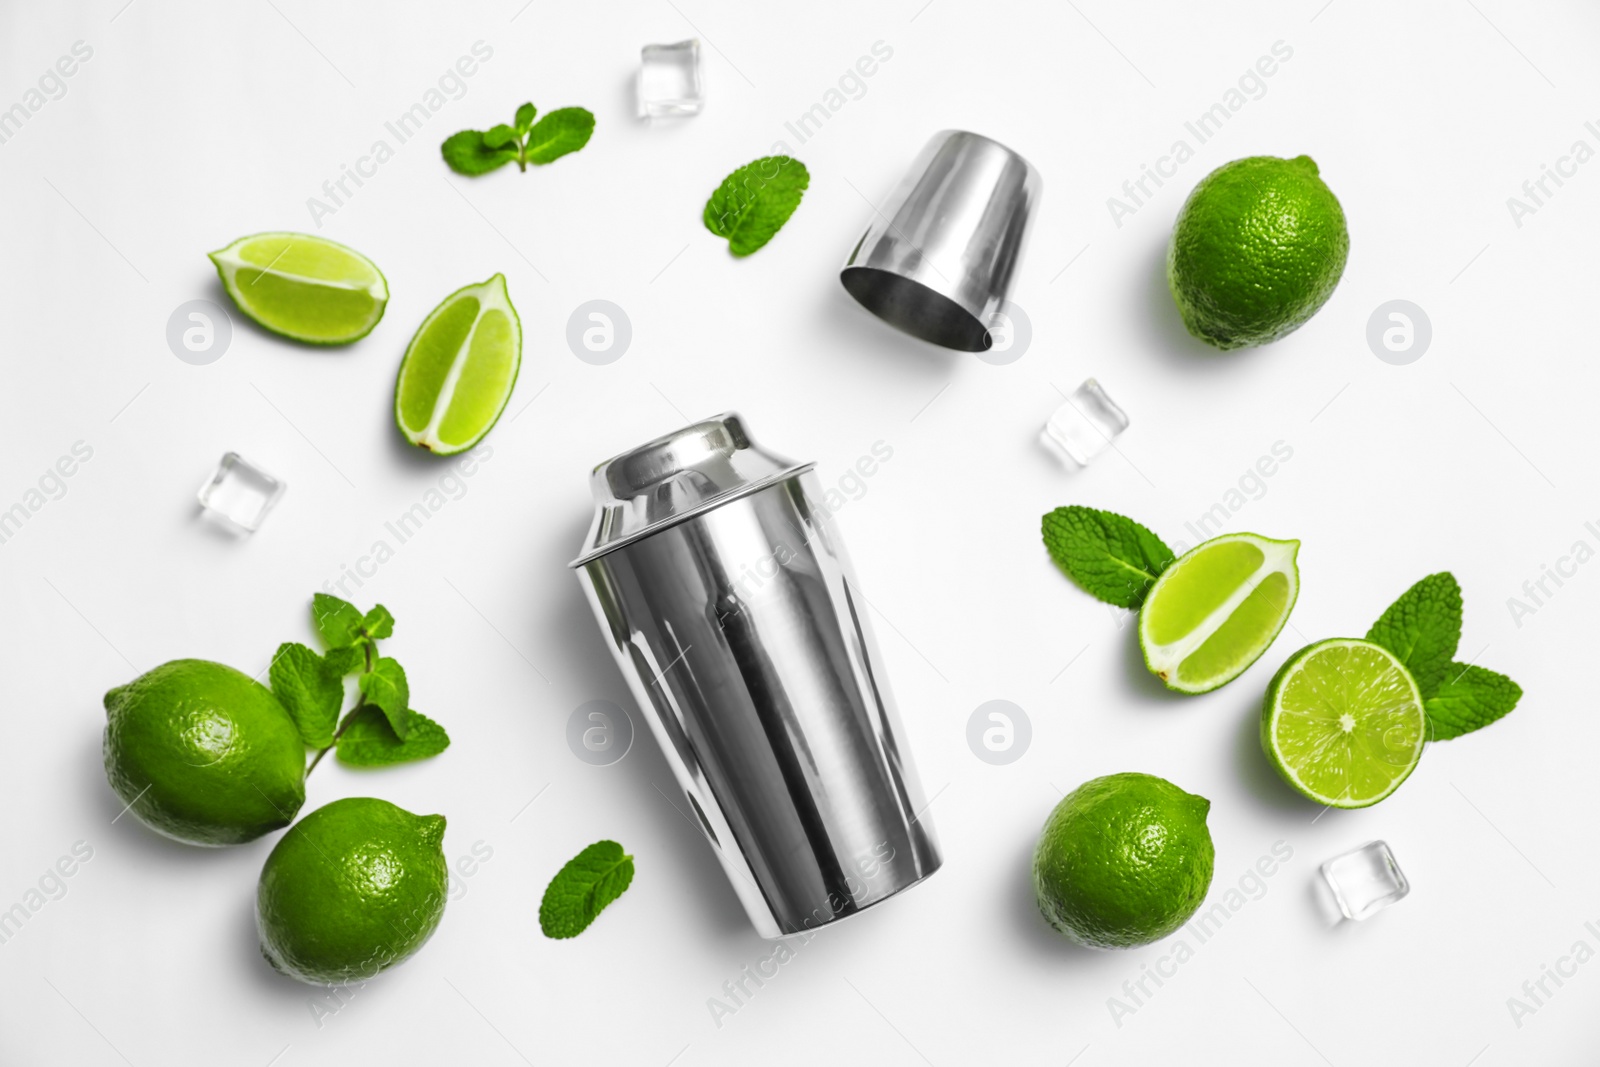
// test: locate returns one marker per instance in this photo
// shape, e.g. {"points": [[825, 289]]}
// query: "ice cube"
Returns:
{"points": [[669, 79], [239, 493], [1086, 424], [1365, 880]]}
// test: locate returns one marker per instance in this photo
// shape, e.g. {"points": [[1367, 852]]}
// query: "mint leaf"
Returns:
{"points": [[467, 153], [385, 688], [752, 204], [525, 115], [501, 136], [377, 623], [1422, 629], [1107, 555], [581, 890], [369, 741], [1469, 699], [561, 131], [309, 690], [347, 660], [337, 621]]}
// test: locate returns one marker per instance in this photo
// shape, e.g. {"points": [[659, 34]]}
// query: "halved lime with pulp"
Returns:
{"points": [[305, 288], [1216, 609], [459, 369], [1343, 722]]}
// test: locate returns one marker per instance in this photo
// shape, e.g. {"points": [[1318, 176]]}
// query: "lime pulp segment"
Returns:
{"points": [[1344, 723], [459, 370], [1216, 609], [306, 288]]}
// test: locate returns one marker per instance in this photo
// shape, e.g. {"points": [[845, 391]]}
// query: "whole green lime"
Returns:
{"points": [[203, 753], [352, 889], [1258, 247], [1123, 860]]}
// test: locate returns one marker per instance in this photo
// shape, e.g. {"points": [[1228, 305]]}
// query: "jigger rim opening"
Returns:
{"points": [[917, 309]]}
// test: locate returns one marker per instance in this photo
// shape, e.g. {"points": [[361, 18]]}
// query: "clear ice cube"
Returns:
{"points": [[239, 493], [669, 79], [1086, 424], [1365, 880]]}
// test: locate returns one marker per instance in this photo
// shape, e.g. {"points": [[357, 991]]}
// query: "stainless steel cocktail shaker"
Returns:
{"points": [[719, 579]]}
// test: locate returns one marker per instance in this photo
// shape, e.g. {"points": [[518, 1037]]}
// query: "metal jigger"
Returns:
{"points": [[937, 261]]}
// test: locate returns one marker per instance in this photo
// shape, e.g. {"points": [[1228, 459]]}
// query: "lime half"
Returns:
{"points": [[303, 287], [1216, 609], [459, 369], [1344, 723]]}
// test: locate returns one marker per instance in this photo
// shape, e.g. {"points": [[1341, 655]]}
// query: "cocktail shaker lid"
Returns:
{"points": [[676, 477]]}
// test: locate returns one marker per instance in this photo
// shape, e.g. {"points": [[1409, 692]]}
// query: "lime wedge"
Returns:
{"points": [[1216, 609], [1343, 722], [303, 287], [458, 370]]}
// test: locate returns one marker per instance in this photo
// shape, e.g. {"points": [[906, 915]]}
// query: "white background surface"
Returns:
{"points": [[193, 124]]}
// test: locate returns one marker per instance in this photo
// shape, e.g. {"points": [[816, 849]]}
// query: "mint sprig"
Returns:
{"points": [[382, 728], [367, 739], [1107, 555], [377, 623], [337, 621], [344, 661], [1469, 699], [384, 687], [1423, 629], [752, 204], [583, 888], [341, 625], [562, 131], [309, 689]]}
